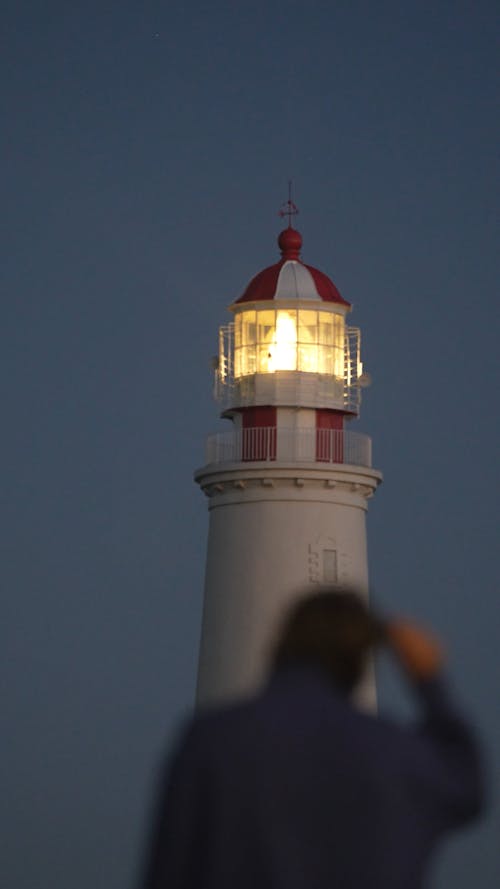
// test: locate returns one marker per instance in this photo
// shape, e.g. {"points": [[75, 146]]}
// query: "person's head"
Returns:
{"points": [[332, 630]]}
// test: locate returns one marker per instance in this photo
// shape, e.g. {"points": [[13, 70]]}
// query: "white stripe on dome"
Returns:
{"points": [[295, 282]]}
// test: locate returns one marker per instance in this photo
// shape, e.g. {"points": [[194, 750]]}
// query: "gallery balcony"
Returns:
{"points": [[285, 445]]}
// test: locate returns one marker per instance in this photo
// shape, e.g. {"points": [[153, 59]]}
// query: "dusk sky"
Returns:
{"points": [[146, 152]]}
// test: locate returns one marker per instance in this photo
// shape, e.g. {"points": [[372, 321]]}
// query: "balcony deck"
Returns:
{"points": [[270, 444]]}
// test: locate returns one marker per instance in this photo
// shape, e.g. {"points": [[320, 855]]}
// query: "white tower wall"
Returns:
{"points": [[274, 532]]}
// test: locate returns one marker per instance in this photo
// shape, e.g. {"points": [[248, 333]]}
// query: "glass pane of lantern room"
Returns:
{"points": [[338, 331], [237, 330], [265, 326], [325, 360], [247, 363], [265, 331], [237, 360], [325, 328], [308, 335], [339, 345], [264, 359], [308, 326], [308, 358], [248, 325]]}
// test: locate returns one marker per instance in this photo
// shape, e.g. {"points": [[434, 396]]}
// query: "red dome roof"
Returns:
{"points": [[309, 284]]}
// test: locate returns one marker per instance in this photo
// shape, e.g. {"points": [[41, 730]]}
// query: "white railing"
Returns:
{"points": [[268, 443]]}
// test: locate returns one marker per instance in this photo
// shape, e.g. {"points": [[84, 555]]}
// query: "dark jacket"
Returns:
{"points": [[295, 789]]}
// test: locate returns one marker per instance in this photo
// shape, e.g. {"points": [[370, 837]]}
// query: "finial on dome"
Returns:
{"points": [[290, 240]]}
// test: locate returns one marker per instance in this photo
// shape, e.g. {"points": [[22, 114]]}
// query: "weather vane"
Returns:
{"points": [[289, 208]]}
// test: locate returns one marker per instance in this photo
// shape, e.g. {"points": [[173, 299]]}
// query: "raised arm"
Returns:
{"points": [[449, 763]]}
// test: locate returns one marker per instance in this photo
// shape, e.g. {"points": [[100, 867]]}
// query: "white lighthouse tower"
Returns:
{"points": [[288, 484]]}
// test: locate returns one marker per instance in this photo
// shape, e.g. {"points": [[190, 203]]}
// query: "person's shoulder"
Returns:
{"points": [[214, 719]]}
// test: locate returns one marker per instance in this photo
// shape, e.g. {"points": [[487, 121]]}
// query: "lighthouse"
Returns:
{"points": [[288, 483]]}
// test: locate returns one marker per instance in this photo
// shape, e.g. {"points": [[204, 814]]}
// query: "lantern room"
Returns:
{"points": [[269, 340], [289, 343]]}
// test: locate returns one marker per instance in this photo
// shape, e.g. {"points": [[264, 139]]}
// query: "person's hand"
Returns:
{"points": [[417, 650]]}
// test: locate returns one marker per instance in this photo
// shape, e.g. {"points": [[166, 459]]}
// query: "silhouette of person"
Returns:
{"points": [[296, 788]]}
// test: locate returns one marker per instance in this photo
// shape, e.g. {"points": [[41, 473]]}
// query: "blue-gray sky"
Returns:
{"points": [[146, 150]]}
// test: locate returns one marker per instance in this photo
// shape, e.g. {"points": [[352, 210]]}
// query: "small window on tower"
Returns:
{"points": [[329, 566]]}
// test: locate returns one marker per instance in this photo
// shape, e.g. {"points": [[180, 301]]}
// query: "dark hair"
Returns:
{"points": [[332, 630]]}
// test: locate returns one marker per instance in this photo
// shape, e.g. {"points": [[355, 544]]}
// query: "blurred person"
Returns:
{"points": [[296, 788]]}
